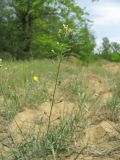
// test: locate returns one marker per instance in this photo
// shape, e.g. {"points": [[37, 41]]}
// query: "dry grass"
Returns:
{"points": [[85, 118]]}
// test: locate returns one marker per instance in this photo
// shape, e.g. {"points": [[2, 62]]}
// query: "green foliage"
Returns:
{"points": [[114, 57], [115, 48], [29, 29], [109, 50], [105, 47], [84, 44]]}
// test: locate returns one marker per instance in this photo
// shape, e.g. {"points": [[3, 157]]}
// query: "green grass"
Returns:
{"points": [[59, 140], [114, 103], [18, 87]]}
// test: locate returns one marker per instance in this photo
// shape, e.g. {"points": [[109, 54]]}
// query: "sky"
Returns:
{"points": [[105, 15]]}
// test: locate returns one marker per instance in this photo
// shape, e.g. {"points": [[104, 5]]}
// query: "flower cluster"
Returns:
{"points": [[63, 34], [66, 30]]}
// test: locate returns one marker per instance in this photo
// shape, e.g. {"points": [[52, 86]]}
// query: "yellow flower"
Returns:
{"points": [[36, 78]]}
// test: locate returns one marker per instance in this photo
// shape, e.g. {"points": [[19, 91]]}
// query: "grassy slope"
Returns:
{"points": [[92, 93]]}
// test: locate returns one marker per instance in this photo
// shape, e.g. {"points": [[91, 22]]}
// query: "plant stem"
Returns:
{"points": [[57, 75]]}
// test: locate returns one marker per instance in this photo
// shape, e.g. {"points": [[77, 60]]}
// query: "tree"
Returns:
{"points": [[115, 47], [106, 47], [84, 43], [38, 22], [8, 40], [31, 28]]}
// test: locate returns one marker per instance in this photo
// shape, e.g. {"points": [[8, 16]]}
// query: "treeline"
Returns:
{"points": [[29, 29], [109, 50]]}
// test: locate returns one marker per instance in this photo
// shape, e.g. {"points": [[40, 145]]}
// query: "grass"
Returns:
{"points": [[18, 87], [18, 91], [60, 139], [114, 103]]}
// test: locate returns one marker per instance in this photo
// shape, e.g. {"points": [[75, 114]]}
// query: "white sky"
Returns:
{"points": [[106, 18]]}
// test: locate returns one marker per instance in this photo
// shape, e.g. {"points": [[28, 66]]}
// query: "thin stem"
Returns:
{"points": [[58, 71]]}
